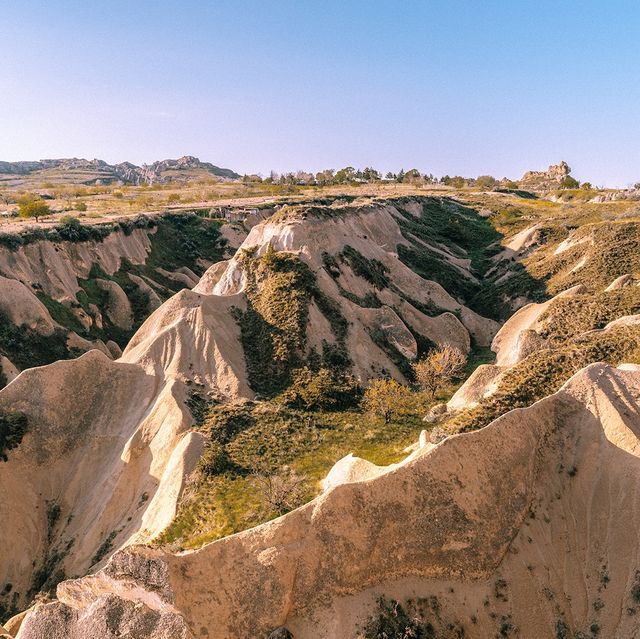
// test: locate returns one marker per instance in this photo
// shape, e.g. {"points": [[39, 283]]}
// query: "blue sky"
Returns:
{"points": [[458, 87]]}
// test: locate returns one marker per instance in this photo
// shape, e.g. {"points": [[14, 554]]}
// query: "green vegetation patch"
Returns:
{"points": [[254, 442], [182, 239], [372, 270], [13, 427], [273, 328]]}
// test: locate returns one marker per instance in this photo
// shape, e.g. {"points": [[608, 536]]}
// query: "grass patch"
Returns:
{"points": [[267, 437]]}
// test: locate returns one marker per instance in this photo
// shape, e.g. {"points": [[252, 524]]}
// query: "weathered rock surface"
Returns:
{"points": [[551, 178], [518, 523], [118, 307], [102, 464], [21, 306]]}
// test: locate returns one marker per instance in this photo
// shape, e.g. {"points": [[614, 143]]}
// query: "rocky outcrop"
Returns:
{"points": [[21, 307], [373, 233], [510, 526], [549, 179], [118, 308]]}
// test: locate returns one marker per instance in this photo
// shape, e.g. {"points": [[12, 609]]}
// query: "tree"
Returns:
{"points": [[438, 368], [33, 208], [343, 176], [486, 181], [370, 174], [385, 397], [569, 182], [325, 177], [412, 176], [586, 186], [636, 186], [281, 492]]}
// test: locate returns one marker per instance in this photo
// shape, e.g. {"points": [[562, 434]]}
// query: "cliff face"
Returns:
{"points": [[514, 526]]}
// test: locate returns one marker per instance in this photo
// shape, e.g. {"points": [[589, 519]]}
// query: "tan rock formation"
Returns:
{"points": [[551, 178], [118, 307], [102, 464], [22, 307], [517, 523]]}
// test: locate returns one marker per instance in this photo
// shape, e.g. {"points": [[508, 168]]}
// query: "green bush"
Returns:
{"points": [[324, 389], [13, 427]]}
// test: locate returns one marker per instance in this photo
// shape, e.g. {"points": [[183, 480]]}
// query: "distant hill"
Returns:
{"points": [[81, 171]]}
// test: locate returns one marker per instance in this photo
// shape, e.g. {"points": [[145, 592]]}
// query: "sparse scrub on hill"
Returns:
{"points": [[544, 372], [571, 316], [613, 249], [273, 328], [420, 618]]}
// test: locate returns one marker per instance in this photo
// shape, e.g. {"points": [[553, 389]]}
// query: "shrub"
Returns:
{"points": [[486, 181], [80, 206], [281, 492], [569, 183], [323, 389]]}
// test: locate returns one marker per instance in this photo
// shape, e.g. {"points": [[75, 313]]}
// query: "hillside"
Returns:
{"points": [[72, 288], [247, 381], [70, 171]]}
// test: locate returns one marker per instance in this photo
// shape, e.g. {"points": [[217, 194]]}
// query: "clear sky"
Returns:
{"points": [[459, 87]]}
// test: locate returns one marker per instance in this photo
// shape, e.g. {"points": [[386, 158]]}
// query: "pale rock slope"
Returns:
{"points": [[528, 526], [101, 465], [54, 267], [373, 232], [518, 337], [109, 445]]}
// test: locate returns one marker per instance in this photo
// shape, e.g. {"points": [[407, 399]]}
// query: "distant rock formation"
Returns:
{"points": [[550, 178], [100, 172]]}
